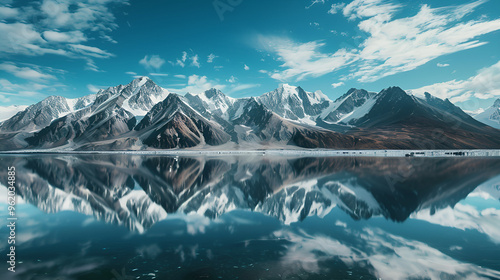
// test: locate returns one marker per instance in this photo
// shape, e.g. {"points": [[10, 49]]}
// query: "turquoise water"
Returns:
{"points": [[143, 217]]}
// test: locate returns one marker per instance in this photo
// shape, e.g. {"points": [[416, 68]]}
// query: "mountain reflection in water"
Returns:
{"points": [[313, 217]]}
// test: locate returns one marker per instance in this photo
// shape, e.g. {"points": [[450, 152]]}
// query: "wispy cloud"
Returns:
{"points": [[443, 65], [211, 58], [246, 67], [234, 88], [336, 85], [92, 88], [484, 85], [194, 61], [304, 60], [26, 72], [198, 84], [152, 62], [392, 45], [313, 2], [194, 58], [64, 37], [60, 28], [25, 91], [335, 8], [158, 74]]}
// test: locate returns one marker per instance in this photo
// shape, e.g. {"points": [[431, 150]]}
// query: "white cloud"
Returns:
{"points": [[76, 15], [194, 61], [131, 73], [335, 8], [198, 84], [246, 67], [313, 2], [392, 45], [404, 44], [8, 12], [388, 256], [211, 58], [443, 65], [90, 51], [91, 65], [152, 62], [336, 85], [25, 91], [303, 60], [180, 76], [4, 99], [240, 87], [484, 85], [58, 29], [381, 10], [22, 38], [181, 62], [464, 217], [232, 80], [158, 74], [25, 72], [64, 37], [92, 88]]}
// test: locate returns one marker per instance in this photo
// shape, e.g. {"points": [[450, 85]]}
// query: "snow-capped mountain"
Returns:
{"points": [[215, 103], [294, 103], [398, 120], [173, 124], [491, 116], [349, 107], [142, 115], [41, 114], [142, 94]]}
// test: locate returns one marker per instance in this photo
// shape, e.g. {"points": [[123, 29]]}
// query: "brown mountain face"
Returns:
{"points": [[173, 124], [401, 121]]}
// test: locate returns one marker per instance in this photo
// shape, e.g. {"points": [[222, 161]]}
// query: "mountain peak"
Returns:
{"points": [[353, 92], [213, 92], [497, 103], [395, 92], [143, 78], [139, 82], [172, 98]]}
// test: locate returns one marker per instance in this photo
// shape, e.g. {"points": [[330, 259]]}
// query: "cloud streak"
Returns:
{"points": [[392, 45], [484, 85]]}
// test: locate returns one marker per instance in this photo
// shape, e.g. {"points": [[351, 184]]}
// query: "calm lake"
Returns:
{"points": [[252, 217]]}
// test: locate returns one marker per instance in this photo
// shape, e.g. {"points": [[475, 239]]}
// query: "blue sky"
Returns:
{"points": [[72, 48]]}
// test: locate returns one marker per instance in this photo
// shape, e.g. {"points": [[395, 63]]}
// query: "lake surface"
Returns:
{"points": [[253, 217]]}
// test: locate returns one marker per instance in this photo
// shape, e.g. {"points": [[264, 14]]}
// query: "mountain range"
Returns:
{"points": [[143, 116]]}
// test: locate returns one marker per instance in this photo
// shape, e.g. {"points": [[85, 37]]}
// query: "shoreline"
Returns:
{"points": [[277, 152]]}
